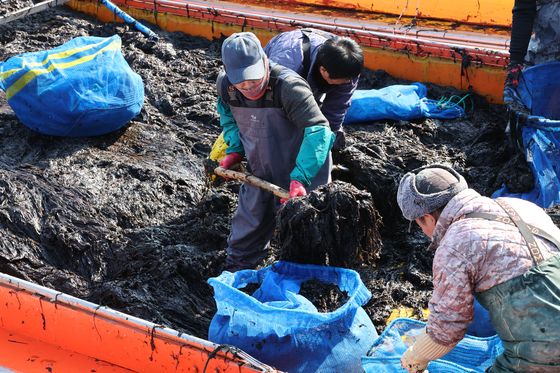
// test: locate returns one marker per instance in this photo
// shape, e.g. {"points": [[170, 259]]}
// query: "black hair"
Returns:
{"points": [[342, 57], [436, 214]]}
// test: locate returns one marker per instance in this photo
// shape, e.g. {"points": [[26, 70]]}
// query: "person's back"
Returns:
{"points": [[297, 50], [330, 64], [504, 252]]}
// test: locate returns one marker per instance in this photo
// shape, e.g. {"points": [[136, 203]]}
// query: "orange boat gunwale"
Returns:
{"points": [[80, 327], [467, 61]]}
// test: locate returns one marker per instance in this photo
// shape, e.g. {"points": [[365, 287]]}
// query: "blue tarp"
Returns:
{"points": [[398, 102], [472, 354], [539, 92], [481, 326], [82, 88], [282, 328]]}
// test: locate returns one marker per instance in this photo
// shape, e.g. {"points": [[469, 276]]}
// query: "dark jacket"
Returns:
{"points": [[535, 32], [286, 49]]}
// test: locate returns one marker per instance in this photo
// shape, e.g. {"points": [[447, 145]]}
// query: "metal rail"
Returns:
{"points": [[477, 48]]}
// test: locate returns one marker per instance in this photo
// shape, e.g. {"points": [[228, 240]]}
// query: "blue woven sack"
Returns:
{"points": [[472, 354], [481, 326], [398, 102], [282, 328], [539, 132], [539, 90], [82, 88]]}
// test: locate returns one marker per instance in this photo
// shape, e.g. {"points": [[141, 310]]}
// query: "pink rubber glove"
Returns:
{"points": [[231, 160], [296, 190]]}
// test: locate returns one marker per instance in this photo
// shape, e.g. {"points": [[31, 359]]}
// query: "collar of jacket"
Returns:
{"points": [[453, 211]]}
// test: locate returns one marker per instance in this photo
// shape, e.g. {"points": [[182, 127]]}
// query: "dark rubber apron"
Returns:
{"points": [[545, 41], [271, 144]]}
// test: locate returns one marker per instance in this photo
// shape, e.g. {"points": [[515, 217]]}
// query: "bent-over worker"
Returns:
{"points": [[331, 65], [504, 252]]}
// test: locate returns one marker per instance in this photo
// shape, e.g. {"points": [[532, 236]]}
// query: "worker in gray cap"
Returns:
{"points": [[270, 117], [504, 252]]}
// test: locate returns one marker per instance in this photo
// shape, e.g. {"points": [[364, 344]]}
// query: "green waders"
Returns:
{"points": [[526, 314], [526, 309]]}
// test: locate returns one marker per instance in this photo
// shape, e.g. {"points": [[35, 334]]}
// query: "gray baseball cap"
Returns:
{"points": [[427, 189], [243, 57]]}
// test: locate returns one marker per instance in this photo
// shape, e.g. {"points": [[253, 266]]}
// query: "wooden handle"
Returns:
{"points": [[253, 180]]}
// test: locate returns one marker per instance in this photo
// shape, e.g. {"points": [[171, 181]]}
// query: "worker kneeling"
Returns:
{"points": [[504, 252]]}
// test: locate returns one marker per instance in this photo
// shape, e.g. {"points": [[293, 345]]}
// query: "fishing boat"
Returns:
{"points": [[43, 330], [461, 45]]}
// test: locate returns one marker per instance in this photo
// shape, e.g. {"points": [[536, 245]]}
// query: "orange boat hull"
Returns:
{"points": [[482, 12], [43, 330]]}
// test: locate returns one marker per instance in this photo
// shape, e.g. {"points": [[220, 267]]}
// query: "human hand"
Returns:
{"points": [[296, 190], [231, 160], [512, 100], [513, 75], [512, 81], [410, 362]]}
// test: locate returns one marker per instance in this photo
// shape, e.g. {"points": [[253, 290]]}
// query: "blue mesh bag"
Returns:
{"points": [[472, 354], [398, 102], [82, 88], [282, 328], [535, 126]]}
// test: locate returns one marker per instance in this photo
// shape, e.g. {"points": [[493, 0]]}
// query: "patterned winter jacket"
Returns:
{"points": [[473, 255]]}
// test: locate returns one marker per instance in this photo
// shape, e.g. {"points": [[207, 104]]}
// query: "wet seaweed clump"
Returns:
{"points": [[335, 225], [325, 297]]}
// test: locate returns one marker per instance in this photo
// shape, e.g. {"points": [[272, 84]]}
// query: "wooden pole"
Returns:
{"points": [[253, 180]]}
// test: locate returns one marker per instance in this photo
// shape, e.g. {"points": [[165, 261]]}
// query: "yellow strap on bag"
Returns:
{"points": [[54, 61]]}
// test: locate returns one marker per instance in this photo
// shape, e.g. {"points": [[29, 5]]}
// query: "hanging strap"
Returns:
{"points": [[527, 231], [306, 48]]}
